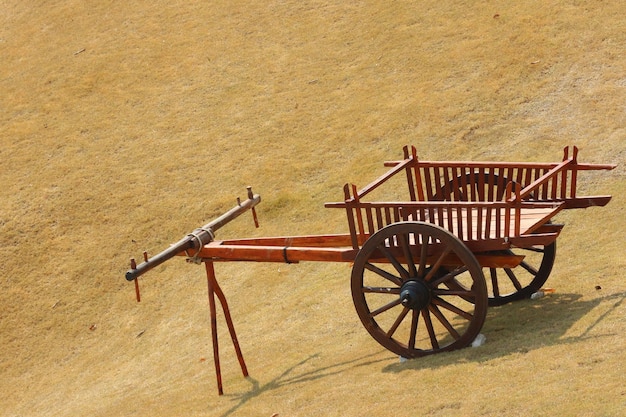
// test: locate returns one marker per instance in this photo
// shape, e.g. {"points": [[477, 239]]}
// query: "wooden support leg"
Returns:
{"points": [[214, 289], [216, 348]]}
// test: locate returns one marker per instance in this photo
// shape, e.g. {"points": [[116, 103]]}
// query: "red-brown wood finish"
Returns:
{"points": [[460, 222]]}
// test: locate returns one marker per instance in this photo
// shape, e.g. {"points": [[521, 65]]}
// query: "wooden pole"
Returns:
{"points": [[216, 348], [215, 289]]}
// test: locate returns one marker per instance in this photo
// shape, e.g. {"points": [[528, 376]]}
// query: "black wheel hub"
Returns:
{"points": [[415, 295]]}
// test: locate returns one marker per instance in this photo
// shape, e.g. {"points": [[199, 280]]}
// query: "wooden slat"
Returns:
{"points": [[418, 182], [409, 170], [519, 176], [479, 224], [387, 215], [470, 235], [456, 191], [527, 176], [436, 184], [491, 181], [544, 186], [379, 218], [396, 214], [527, 241], [370, 222], [473, 179], [428, 184], [481, 185], [499, 261], [510, 174], [500, 183]]}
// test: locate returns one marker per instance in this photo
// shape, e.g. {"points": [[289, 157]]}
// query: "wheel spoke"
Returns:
{"points": [[385, 307], [423, 256], [447, 277], [406, 248], [459, 293], [437, 264], [494, 282], [381, 272], [397, 323], [443, 303], [444, 321], [382, 290], [535, 249], [396, 264], [513, 278], [529, 268], [414, 322], [431, 330]]}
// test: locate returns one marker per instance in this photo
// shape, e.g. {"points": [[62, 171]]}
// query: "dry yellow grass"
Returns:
{"points": [[123, 126]]}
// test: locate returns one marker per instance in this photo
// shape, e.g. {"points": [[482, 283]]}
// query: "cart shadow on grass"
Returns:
{"points": [[523, 326], [292, 376]]}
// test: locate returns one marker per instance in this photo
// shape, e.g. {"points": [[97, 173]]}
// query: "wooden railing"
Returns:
{"points": [[477, 201], [487, 181], [480, 224]]}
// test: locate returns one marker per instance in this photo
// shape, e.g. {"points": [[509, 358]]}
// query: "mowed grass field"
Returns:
{"points": [[126, 125]]}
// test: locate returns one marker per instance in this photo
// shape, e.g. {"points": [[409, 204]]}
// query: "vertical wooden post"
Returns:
{"points": [[133, 265], [518, 210], [409, 171], [507, 209], [574, 170], [350, 214]]}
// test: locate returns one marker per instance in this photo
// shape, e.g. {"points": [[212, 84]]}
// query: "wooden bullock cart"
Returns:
{"points": [[468, 235]]}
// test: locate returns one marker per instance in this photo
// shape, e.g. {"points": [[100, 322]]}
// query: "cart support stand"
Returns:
{"points": [[214, 289]]}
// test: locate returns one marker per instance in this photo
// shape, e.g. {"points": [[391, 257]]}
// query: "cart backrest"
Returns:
{"points": [[487, 181], [477, 201], [462, 181]]}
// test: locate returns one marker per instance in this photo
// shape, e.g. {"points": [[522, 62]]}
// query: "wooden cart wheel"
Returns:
{"points": [[399, 289], [505, 285]]}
